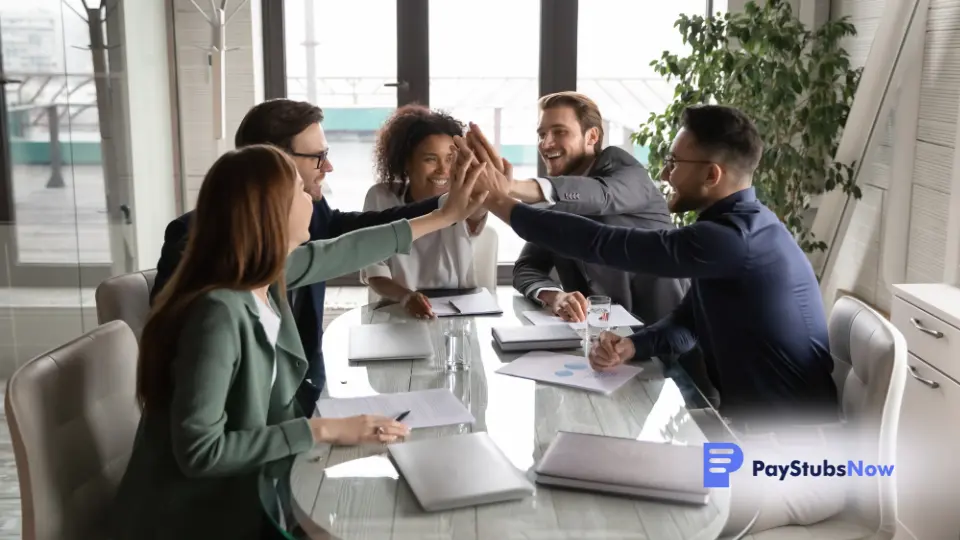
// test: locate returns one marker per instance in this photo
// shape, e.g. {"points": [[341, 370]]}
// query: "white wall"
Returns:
{"points": [[244, 84], [904, 228]]}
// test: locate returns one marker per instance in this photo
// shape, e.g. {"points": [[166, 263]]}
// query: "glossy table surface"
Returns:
{"points": [[355, 492]]}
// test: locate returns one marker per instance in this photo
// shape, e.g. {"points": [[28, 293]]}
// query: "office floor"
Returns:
{"points": [[339, 300]]}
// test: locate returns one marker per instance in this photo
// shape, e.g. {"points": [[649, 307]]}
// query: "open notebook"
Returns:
{"points": [[458, 471], [624, 466]]}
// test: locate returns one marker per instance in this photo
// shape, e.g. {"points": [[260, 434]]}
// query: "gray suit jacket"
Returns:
{"points": [[616, 191]]}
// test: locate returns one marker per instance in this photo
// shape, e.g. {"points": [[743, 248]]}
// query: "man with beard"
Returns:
{"points": [[607, 185], [754, 304]]}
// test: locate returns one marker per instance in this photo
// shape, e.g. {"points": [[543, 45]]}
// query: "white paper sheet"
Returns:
{"points": [[478, 303], [619, 316], [569, 370], [428, 408]]}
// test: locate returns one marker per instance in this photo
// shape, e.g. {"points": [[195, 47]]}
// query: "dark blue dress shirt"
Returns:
{"points": [[754, 305]]}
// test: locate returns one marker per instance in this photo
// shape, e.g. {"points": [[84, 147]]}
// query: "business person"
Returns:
{"points": [[220, 359], [754, 305], [606, 184], [295, 127], [414, 159]]}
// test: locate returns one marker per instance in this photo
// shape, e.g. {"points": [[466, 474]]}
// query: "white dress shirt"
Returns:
{"points": [[439, 260]]}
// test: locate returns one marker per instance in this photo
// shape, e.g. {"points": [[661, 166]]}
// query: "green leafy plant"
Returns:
{"points": [[796, 84]]}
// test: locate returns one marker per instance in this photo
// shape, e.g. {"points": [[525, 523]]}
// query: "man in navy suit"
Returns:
{"points": [[754, 304], [294, 126]]}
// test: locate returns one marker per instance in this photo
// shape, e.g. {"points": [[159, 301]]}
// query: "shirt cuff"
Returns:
{"points": [[536, 294], [375, 270], [442, 199], [549, 193]]}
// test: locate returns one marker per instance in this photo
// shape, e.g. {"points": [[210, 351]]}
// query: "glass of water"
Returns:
{"points": [[456, 342], [598, 319]]}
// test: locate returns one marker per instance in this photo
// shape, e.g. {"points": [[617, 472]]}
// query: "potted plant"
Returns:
{"points": [[796, 84]]}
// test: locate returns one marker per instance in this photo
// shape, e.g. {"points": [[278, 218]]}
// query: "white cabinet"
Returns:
{"points": [[927, 466]]}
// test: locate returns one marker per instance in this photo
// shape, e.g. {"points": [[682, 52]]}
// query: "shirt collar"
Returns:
{"points": [[727, 203]]}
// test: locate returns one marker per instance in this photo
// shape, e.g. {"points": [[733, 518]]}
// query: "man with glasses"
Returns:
{"points": [[607, 185], [754, 305], [294, 126]]}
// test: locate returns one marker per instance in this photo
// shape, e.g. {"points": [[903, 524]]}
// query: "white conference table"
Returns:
{"points": [[355, 492]]}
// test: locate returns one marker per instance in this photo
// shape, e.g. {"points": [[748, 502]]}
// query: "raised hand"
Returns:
{"points": [[484, 151], [611, 351], [464, 197], [493, 180]]}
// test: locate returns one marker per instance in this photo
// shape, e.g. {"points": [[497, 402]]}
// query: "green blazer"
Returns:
{"points": [[194, 467]]}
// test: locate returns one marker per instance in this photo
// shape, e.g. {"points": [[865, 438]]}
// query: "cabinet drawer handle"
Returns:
{"points": [[928, 382], [916, 324]]}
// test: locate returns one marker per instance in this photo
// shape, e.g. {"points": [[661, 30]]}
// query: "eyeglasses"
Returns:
{"points": [[670, 162], [321, 157]]}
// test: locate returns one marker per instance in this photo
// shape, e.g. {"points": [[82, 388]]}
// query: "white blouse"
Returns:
{"points": [[440, 260], [270, 322]]}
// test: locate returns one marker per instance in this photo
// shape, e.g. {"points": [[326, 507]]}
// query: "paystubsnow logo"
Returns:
{"points": [[722, 459]]}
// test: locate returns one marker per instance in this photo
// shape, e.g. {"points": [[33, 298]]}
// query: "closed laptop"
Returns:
{"points": [[458, 471], [530, 338], [390, 341], [624, 466]]}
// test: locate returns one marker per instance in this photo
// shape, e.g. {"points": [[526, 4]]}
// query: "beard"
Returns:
{"points": [[577, 165]]}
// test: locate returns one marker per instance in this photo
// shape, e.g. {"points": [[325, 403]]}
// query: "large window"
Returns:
{"points": [[482, 62], [493, 84], [350, 87], [613, 61]]}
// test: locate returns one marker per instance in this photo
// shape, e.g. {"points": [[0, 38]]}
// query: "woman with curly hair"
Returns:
{"points": [[414, 155]]}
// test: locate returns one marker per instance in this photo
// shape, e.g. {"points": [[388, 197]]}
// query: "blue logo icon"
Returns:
{"points": [[719, 460]]}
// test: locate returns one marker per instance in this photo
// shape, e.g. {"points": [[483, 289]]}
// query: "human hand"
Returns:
{"points": [[363, 429], [610, 351], [418, 305], [569, 306], [497, 180], [484, 151], [464, 198]]}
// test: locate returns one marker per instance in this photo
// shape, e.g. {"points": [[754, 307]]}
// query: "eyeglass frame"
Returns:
{"points": [[670, 163], [321, 157]]}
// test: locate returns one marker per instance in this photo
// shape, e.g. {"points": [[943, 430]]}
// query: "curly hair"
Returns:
{"points": [[406, 128]]}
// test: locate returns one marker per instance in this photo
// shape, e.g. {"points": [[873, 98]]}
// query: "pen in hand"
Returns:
{"points": [[401, 416]]}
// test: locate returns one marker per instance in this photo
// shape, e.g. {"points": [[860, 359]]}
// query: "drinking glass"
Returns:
{"points": [[456, 342], [598, 320]]}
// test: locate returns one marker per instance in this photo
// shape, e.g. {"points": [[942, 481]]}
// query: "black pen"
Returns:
{"points": [[402, 416]]}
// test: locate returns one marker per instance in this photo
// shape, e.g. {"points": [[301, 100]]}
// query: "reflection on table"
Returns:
{"points": [[355, 492]]}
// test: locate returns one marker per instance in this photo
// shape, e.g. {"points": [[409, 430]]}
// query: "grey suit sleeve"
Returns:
{"points": [[626, 190], [531, 272]]}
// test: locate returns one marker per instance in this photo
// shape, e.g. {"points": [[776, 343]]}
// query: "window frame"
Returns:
{"points": [[558, 65]]}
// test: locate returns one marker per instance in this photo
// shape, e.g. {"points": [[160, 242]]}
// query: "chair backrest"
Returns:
{"points": [[126, 298], [870, 368], [73, 416], [485, 254]]}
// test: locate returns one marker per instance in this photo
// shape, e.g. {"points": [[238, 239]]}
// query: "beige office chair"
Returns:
{"points": [[485, 253], [870, 368], [73, 416], [126, 298]]}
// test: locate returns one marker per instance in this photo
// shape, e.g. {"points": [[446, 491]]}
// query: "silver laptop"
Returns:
{"points": [[458, 471], [390, 341], [622, 466]]}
